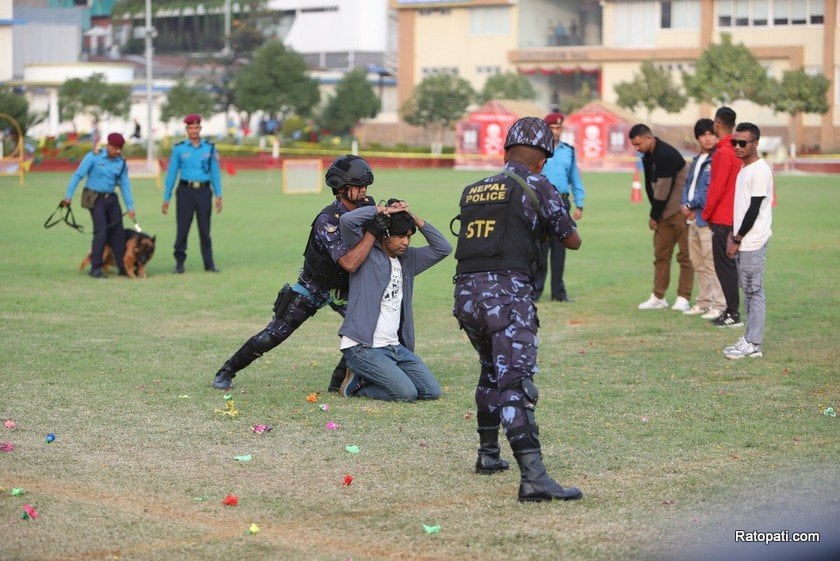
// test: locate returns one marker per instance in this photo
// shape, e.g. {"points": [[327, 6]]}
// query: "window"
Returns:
{"points": [[679, 14], [742, 13], [817, 11], [490, 70], [635, 23], [798, 13], [318, 9], [439, 70], [433, 11], [490, 21], [760, 13], [781, 15]]}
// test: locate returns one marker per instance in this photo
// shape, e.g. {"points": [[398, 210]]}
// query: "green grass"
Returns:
{"points": [[674, 446]]}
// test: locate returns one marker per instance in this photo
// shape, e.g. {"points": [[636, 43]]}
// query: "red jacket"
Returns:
{"points": [[720, 199]]}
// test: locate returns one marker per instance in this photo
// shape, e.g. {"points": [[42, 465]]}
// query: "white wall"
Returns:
{"points": [[357, 25]]}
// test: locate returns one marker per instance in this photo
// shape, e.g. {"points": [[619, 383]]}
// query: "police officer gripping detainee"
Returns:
{"points": [[327, 264], [196, 163], [504, 219]]}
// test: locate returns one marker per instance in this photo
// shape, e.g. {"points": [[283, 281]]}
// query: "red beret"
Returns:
{"points": [[116, 139], [554, 119], [193, 119]]}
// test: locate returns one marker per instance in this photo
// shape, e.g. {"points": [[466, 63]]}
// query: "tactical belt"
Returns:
{"points": [[194, 184]]}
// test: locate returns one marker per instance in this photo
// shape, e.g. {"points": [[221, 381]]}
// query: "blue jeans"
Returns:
{"points": [[392, 373]]}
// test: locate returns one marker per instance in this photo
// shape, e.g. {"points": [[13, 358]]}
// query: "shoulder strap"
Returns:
{"points": [[529, 191]]}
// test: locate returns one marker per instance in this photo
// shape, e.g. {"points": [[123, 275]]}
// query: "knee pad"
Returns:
{"points": [[530, 395], [293, 308], [263, 342]]}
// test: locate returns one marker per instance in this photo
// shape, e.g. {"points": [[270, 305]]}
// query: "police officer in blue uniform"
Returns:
{"points": [[504, 219], [198, 164], [562, 171], [105, 170], [325, 276]]}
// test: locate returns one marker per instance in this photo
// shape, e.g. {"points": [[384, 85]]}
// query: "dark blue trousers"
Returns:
{"points": [[198, 202], [107, 229]]}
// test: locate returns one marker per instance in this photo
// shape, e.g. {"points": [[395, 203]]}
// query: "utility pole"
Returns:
{"points": [[149, 34], [226, 50]]}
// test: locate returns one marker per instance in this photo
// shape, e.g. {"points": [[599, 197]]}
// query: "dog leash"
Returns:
{"points": [[70, 219], [66, 217]]}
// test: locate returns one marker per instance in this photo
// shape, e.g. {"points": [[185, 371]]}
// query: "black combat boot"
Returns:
{"points": [[536, 485], [488, 461], [337, 376], [224, 377], [250, 351]]}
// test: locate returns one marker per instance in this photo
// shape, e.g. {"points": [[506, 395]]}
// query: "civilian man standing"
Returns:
{"points": [[718, 212], [198, 164], [752, 218], [665, 173]]}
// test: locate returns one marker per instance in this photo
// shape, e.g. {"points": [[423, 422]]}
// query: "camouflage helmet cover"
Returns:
{"points": [[531, 131]]}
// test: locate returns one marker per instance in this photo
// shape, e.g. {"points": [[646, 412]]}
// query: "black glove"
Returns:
{"points": [[378, 225]]}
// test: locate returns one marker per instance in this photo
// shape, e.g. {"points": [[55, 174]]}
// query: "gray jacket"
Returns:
{"points": [[368, 283]]}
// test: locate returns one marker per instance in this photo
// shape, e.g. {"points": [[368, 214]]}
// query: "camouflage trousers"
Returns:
{"points": [[497, 312]]}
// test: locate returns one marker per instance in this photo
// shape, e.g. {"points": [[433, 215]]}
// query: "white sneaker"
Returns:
{"points": [[712, 313], [654, 303], [738, 345], [743, 349], [681, 305]]}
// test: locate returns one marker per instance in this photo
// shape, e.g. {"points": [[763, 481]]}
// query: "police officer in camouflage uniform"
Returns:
{"points": [[327, 264], [504, 219]]}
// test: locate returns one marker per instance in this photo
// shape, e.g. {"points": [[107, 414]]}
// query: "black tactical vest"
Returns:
{"points": [[319, 265], [494, 235]]}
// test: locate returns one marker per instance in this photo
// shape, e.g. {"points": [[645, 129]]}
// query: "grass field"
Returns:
{"points": [[675, 447]]}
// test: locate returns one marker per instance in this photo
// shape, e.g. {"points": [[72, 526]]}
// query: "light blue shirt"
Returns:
{"points": [[195, 163], [562, 171], [103, 175]]}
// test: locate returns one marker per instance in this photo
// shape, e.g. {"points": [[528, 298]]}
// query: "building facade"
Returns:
{"points": [[563, 44]]}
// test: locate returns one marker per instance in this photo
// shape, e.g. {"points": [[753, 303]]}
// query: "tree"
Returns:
{"points": [[354, 100], [437, 102], [17, 106], [509, 85], [275, 81], [245, 39], [93, 96], [652, 88], [726, 72], [799, 92], [184, 99]]}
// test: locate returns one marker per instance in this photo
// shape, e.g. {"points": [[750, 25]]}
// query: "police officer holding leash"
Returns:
{"points": [[327, 264], [105, 170], [504, 219], [198, 164]]}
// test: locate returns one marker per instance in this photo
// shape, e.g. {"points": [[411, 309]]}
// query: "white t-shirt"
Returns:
{"points": [[390, 309], [692, 188], [754, 180]]}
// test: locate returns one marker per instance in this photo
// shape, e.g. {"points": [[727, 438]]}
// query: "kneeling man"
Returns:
{"points": [[377, 336]]}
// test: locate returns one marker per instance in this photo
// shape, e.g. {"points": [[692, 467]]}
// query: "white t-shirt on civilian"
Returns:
{"points": [[754, 180], [390, 309]]}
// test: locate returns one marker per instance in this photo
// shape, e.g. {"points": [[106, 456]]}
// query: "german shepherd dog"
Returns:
{"points": [[139, 249]]}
